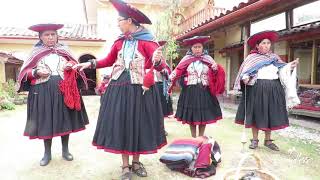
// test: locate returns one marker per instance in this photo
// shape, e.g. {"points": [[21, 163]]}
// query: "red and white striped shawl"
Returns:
{"points": [[250, 62]]}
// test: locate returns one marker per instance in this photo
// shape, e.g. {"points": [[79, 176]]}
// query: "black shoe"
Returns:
{"points": [[45, 160], [268, 143], [67, 156]]}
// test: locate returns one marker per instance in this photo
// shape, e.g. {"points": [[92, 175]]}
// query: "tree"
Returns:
{"points": [[165, 28]]}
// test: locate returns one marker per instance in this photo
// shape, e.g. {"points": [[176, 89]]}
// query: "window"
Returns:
{"points": [[277, 22], [306, 14]]}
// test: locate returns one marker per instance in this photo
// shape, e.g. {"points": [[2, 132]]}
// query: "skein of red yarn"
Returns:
{"points": [[148, 79], [69, 90], [217, 80]]}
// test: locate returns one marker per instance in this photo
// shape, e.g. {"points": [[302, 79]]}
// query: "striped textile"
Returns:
{"points": [[181, 153], [253, 63], [195, 157]]}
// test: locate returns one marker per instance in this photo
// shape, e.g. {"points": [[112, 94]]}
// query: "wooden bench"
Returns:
{"points": [[304, 112]]}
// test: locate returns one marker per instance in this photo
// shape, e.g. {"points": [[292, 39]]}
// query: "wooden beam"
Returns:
{"points": [[289, 19], [314, 63], [290, 52], [304, 112], [2, 70], [228, 66], [246, 35]]}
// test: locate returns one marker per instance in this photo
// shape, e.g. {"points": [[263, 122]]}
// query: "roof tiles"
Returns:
{"points": [[82, 32]]}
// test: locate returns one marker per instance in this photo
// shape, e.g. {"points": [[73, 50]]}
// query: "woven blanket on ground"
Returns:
{"points": [[195, 157]]}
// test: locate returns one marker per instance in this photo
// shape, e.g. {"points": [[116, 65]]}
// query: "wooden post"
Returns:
{"points": [[2, 70], [228, 66], [290, 51], [246, 34], [289, 19], [314, 62]]}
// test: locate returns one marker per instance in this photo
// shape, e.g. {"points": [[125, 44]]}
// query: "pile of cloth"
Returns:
{"points": [[195, 157], [310, 99]]}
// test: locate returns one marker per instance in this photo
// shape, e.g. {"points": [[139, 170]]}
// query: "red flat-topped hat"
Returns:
{"points": [[45, 27], [271, 35], [130, 11], [161, 43], [195, 39]]}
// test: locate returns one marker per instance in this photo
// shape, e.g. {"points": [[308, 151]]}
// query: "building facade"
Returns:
{"points": [[296, 21]]}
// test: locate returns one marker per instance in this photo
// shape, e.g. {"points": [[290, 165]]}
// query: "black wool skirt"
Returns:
{"points": [[166, 104], [129, 122], [48, 116], [266, 106], [196, 106]]}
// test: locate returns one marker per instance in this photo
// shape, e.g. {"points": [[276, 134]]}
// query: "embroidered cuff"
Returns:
{"points": [[34, 73], [245, 77], [155, 64], [93, 63]]}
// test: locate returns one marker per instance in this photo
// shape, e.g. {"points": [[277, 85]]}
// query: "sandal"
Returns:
{"points": [[126, 175], [268, 143], [140, 171], [254, 143]]}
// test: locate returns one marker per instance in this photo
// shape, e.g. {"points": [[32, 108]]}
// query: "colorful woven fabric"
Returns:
{"points": [[195, 157]]}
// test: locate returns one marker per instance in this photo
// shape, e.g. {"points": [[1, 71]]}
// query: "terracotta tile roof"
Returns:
{"points": [[239, 6], [302, 28], [10, 58], [75, 32], [206, 21], [184, 3], [220, 20]]}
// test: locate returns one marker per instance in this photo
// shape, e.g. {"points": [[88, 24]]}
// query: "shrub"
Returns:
{"points": [[3, 93], [11, 89], [7, 91], [7, 105]]}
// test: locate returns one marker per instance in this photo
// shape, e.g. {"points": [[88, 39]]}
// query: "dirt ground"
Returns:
{"points": [[19, 156]]}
